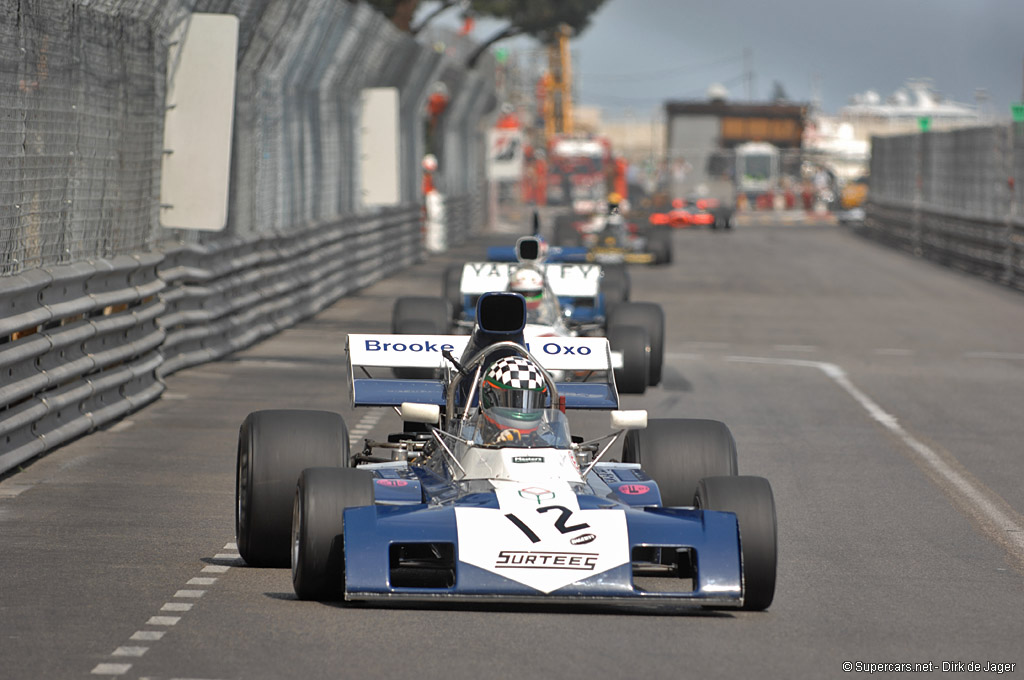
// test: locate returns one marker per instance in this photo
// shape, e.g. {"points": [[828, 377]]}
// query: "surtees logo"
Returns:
{"points": [[537, 494], [527, 459], [392, 482], [583, 540], [521, 559], [634, 489]]}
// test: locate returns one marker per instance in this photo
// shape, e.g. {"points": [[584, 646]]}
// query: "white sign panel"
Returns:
{"points": [[379, 137], [539, 537], [196, 169], [504, 154]]}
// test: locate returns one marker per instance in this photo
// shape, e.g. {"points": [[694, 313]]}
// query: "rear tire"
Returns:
{"points": [[453, 290], [679, 452], [635, 346], [659, 243], [318, 528], [419, 316], [434, 310], [615, 285], [752, 500], [650, 316], [274, 447]]}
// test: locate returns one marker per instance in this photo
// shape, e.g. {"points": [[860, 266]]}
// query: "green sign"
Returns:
{"points": [[1017, 109], [925, 123], [501, 54]]}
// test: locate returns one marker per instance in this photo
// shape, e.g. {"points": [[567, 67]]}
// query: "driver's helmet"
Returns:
{"points": [[530, 284], [513, 397], [614, 199]]}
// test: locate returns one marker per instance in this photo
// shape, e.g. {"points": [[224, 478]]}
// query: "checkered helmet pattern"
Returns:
{"points": [[514, 387], [517, 373]]}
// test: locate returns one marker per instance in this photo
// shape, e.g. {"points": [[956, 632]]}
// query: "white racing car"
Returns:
{"points": [[563, 300]]}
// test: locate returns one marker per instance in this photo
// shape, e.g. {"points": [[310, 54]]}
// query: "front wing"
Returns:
{"points": [[415, 553]]}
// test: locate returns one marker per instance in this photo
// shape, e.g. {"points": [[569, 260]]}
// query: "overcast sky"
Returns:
{"points": [[637, 53]]}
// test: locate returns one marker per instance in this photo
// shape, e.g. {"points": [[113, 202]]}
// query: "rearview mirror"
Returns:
{"points": [[421, 413], [629, 420]]}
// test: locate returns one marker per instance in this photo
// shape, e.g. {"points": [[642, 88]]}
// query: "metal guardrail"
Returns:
{"points": [[81, 345], [987, 247], [952, 197], [225, 297]]}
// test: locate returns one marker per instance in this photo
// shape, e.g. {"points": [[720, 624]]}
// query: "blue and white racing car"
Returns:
{"points": [[563, 299], [485, 495]]}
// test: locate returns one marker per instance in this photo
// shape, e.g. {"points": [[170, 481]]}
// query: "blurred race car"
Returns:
{"points": [[486, 496], [610, 238], [690, 212]]}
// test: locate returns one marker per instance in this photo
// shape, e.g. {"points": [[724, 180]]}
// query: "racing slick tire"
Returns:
{"points": [[419, 316], [615, 285], [435, 310], [635, 346], [453, 290], [751, 499], [679, 452], [659, 243], [648, 315], [274, 447], [318, 528]]}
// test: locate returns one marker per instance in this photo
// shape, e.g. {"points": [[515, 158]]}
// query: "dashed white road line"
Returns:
{"points": [[137, 651], [363, 427], [982, 501]]}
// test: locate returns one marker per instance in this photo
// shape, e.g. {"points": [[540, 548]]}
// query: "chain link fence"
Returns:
{"points": [[99, 301], [952, 197]]}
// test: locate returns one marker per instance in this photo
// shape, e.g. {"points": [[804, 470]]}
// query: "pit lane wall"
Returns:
{"points": [[98, 302], [955, 197]]}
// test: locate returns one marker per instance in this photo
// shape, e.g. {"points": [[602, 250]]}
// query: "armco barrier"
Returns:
{"points": [[80, 350], [83, 344], [986, 247], [226, 296]]}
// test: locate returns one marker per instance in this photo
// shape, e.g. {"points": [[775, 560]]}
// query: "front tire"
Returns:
{"points": [[274, 447], [650, 316], [633, 343], [751, 499], [318, 528], [678, 452]]}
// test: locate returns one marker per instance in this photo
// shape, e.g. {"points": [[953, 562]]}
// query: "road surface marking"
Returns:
{"points": [[994, 513], [176, 607], [201, 581], [163, 620], [147, 635], [130, 651], [215, 568], [122, 426], [190, 593], [111, 669]]}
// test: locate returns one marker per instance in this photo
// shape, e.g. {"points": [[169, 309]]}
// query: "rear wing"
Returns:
{"points": [[565, 280], [376, 351]]}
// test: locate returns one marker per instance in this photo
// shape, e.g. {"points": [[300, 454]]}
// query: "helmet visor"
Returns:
{"points": [[497, 396]]}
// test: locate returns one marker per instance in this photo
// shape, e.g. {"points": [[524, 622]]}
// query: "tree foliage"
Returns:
{"points": [[539, 18]]}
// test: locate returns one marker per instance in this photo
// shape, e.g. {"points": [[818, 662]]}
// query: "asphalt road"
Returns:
{"points": [[881, 395]]}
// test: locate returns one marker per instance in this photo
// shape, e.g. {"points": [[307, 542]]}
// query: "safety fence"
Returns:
{"points": [[87, 343], [99, 301], [952, 197]]}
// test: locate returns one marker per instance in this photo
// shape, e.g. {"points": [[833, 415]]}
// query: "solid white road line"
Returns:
{"points": [[972, 494]]}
